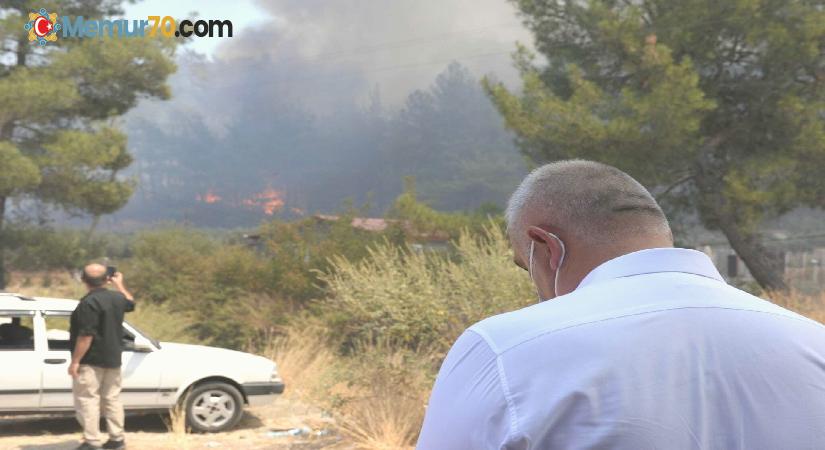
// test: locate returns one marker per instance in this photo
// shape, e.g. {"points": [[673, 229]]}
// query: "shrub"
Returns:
{"points": [[170, 264], [225, 291], [417, 298], [44, 248], [160, 322]]}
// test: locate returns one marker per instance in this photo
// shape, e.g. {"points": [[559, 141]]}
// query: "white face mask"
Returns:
{"points": [[558, 269]]}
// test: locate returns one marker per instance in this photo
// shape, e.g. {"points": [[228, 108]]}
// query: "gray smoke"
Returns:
{"points": [[396, 46]]}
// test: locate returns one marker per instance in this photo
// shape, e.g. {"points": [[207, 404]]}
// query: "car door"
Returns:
{"points": [[141, 370], [56, 382], [141, 376], [20, 362]]}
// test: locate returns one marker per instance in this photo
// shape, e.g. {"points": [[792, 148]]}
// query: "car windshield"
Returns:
{"points": [[154, 341]]}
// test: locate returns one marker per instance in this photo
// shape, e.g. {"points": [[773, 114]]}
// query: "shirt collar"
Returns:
{"points": [[654, 260]]}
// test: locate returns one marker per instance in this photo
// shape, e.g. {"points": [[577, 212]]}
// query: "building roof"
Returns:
{"points": [[362, 223]]}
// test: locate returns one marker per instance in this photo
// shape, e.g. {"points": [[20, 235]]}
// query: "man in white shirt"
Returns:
{"points": [[644, 346]]}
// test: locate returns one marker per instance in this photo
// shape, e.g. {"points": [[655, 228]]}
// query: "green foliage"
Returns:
{"points": [[163, 323], [43, 248], [232, 317], [55, 144], [17, 173], [718, 104], [223, 290], [413, 298], [650, 123], [450, 139], [299, 251], [169, 264], [420, 222], [235, 293], [71, 171]]}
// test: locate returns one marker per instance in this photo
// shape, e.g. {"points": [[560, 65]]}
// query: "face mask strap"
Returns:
{"points": [[561, 261], [530, 268], [558, 269]]}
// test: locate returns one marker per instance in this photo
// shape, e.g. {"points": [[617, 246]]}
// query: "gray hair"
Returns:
{"points": [[593, 201]]}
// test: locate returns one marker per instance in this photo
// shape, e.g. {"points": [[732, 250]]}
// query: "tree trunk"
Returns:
{"points": [[2, 244], [766, 266], [92, 227]]}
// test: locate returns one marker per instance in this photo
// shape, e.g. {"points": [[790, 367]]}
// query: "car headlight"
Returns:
{"points": [[274, 377]]}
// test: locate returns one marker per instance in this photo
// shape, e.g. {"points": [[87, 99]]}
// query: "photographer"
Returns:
{"points": [[96, 342]]}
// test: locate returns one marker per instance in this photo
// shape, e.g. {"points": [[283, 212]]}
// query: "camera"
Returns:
{"points": [[110, 271]]}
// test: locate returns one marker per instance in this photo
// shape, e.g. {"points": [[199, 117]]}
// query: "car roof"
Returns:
{"points": [[17, 302]]}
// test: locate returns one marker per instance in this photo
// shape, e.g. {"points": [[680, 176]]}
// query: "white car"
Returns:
{"points": [[212, 385]]}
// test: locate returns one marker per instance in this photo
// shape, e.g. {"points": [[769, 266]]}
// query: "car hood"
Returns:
{"points": [[204, 356]]}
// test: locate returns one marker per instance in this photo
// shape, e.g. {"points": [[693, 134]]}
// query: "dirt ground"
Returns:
{"points": [[261, 428]]}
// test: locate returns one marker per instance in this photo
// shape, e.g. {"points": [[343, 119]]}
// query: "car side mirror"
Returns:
{"points": [[143, 345]]}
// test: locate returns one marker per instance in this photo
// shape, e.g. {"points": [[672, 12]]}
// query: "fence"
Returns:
{"points": [[804, 268]]}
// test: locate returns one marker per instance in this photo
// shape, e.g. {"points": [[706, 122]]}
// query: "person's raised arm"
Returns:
{"points": [[117, 281], [467, 408]]}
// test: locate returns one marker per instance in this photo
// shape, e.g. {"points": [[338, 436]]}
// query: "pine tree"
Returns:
{"points": [[59, 102], [716, 106]]}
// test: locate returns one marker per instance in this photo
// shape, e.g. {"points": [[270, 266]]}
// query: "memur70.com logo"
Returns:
{"points": [[45, 27], [42, 26]]}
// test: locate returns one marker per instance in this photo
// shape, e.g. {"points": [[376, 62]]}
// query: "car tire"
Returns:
{"points": [[212, 407]]}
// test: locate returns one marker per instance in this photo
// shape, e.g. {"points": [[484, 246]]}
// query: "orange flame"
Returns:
{"points": [[210, 197], [270, 201]]}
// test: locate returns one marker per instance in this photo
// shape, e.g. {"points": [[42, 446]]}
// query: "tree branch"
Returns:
{"points": [[673, 186]]}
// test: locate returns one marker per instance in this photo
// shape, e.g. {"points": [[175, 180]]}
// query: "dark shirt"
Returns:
{"points": [[100, 315]]}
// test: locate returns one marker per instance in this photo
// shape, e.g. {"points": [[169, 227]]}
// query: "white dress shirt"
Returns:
{"points": [[653, 350]]}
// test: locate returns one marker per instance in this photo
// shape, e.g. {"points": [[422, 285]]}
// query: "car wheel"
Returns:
{"points": [[212, 407]]}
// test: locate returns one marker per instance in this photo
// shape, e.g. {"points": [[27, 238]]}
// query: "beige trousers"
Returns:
{"points": [[97, 388]]}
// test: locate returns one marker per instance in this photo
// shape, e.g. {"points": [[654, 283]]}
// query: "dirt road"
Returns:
{"points": [[261, 428]]}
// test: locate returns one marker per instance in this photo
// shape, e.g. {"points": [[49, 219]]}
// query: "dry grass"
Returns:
{"points": [[384, 414], [378, 393], [811, 306], [176, 424], [305, 361], [58, 284], [376, 396]]}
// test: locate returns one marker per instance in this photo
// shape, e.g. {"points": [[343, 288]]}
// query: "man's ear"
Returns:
{"points": [[537, 234], [553, 245]]}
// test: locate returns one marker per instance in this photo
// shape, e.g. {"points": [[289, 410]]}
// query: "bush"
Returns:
{"points": [[299, 251], [417, 298], [225, 291], [170, 264], [162, 323], [43, 248]]}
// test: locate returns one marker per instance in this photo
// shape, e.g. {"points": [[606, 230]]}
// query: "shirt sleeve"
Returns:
{"points": [[87, 320], [128, 305], [467, 408]]}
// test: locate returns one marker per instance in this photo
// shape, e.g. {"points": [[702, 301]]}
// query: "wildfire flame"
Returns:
{"points": [[210, 197], [269, 200]]}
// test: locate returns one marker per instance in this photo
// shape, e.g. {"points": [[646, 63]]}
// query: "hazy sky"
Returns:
{"points": [[389, 46]]}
